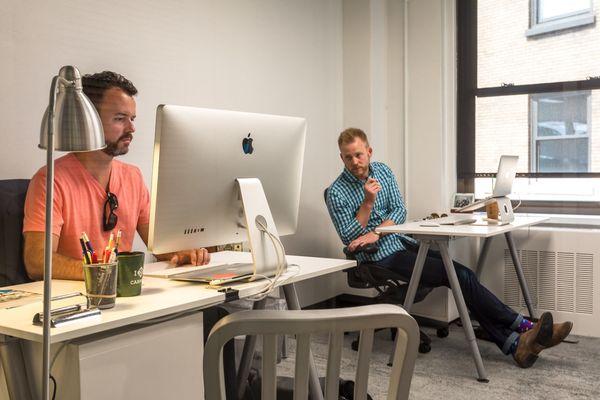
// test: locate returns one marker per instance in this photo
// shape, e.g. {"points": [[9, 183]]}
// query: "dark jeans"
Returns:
{"points": [[498, 320]]}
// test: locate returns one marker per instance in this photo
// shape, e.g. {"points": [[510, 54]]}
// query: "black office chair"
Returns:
{"points": [[12, 201], [390, 286]]}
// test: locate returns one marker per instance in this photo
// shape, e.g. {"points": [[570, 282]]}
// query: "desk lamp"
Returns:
{"points": [[72, 116]]}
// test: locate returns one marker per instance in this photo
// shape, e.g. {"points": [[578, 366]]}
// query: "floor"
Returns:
{"points": [[568, 371]]}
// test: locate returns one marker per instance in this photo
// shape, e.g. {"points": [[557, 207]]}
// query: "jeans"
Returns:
{"points": [[495, 317]]}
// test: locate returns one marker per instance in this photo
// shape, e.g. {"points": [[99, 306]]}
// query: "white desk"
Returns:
{"points": [[440, 235], [160, 297]]}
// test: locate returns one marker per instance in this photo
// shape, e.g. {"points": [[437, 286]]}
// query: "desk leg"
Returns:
{"points": [[416, 275], [462, 309], [415, 278], [13, 366], [247, 355], [482, 256], [314, 387], [519, 270]]}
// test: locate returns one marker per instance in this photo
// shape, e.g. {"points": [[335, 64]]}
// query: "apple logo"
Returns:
{"points": [[247, 145]]}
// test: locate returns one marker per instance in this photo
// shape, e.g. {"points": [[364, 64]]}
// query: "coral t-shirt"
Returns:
{"points": [[79, 205]]}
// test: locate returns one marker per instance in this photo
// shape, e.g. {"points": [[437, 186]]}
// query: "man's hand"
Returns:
{"points": [[363, 240], [194, 257], [372, 187]]}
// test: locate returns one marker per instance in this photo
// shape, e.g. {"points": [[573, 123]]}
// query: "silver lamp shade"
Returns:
{"points": [[77, 125]]}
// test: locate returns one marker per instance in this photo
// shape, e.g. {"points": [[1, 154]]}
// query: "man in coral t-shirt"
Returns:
{"points": [[88, 185]]}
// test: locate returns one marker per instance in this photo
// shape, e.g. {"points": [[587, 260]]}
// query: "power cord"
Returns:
{"points": [[281, 264], [518, 205], [53, 390], [52, 364]]}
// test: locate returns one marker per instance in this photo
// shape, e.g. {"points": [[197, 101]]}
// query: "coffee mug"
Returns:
{"points": [[131, 271]]}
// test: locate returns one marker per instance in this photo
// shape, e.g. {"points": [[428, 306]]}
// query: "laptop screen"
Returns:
{"points": [[507, 170]]}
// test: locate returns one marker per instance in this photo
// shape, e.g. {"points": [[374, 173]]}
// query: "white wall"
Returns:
{"points": [[263, 56], [382, 65], [430, 106]]}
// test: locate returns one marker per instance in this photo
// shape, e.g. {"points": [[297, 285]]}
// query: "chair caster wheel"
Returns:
{"points": [[442, 332], [354, 345], [424, 348]]}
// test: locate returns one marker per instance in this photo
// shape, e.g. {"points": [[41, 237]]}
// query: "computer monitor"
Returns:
{"points": [[198, 156]]}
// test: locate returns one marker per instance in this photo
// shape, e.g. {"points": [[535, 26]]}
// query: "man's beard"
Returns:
{"points": [[112, 148]]}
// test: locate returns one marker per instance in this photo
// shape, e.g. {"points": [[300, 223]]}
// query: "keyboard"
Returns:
{"points": [[450, 220], [455, 220]]}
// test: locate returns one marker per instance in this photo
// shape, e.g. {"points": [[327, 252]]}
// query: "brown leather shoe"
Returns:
{"points": [[560, 332], [533, 341]]}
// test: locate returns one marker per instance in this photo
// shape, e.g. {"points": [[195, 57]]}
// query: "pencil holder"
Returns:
{"points": [[101, 284], [131, 271]]}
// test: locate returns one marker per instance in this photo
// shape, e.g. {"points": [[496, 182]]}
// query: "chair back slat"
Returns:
{"points": [[302, 364], [269, 368], [303, 324], [334, 359], [362, 369], [398, 387]]}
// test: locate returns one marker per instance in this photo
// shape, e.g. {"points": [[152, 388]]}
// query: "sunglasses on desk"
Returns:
{"points": [[109, 218]]}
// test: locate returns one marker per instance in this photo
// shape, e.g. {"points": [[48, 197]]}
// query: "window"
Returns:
{"points": [[560, 132], [535, 98], [553, 15]]}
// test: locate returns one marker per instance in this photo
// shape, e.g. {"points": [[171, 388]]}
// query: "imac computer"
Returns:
{"points": [[224, 177]]}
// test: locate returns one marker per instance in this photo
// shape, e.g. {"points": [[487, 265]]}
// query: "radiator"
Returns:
{"points": [[561, 267]]}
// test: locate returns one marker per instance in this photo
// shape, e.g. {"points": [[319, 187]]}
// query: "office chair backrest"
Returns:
{"points": [[303, 324], [12, 201]]}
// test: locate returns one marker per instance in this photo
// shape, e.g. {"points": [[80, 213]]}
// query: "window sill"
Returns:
{"points": [[570, 221], [563, 23]]}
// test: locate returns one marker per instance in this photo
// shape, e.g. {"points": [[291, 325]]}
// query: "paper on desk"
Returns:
{"points": [[15, 298]]}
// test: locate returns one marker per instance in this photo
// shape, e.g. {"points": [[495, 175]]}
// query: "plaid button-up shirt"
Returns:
{"points": [[344, 198]]}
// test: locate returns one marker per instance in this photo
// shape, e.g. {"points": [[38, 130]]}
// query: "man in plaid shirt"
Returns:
{"points": [[366, 196]]}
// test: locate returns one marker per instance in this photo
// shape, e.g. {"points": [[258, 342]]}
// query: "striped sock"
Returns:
{"points": [[525, 325]]}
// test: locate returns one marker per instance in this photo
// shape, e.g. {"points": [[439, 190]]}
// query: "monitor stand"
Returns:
{"points": [[256, 208], [502, 211]]}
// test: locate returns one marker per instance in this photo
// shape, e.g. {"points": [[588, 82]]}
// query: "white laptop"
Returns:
{"points": [[507, 170], [214, 273]]}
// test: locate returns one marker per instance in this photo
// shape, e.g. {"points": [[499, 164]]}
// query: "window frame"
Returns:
{"points": [[468, 92], [569, 20], [533, 123]]}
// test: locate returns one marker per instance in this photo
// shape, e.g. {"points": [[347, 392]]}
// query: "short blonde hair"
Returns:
{"points": [[349, 135]]}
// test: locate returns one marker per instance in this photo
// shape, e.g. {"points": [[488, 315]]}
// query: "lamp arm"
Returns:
{"points": [[48, 239]]}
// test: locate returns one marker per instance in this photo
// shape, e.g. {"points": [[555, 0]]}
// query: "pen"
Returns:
{"points": [[86, 257], [117, 241], [108, 249], [89, 247]]}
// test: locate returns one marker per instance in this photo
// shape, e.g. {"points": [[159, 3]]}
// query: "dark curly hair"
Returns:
{"points": [[95, 85]]}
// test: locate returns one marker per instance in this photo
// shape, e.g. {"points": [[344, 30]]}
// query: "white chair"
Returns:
{"points": [[303, 323]]}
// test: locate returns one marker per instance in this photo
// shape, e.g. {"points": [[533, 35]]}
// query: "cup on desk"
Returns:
{"points": [[131, 271], [101, 284]]}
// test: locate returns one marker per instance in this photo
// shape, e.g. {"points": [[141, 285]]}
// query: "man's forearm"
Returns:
{"points": [[364, 213], [63, 267], [387, 222]]}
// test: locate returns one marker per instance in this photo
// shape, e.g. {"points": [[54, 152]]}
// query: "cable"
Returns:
{"points": [[281, 264], [57, 353], [54, 390], [517, 204]]}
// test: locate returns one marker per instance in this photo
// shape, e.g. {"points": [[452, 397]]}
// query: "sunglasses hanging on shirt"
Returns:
{"points": [[109, 218]]}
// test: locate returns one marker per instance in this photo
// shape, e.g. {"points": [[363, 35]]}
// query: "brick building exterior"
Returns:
{"points": [[506, 54]]}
